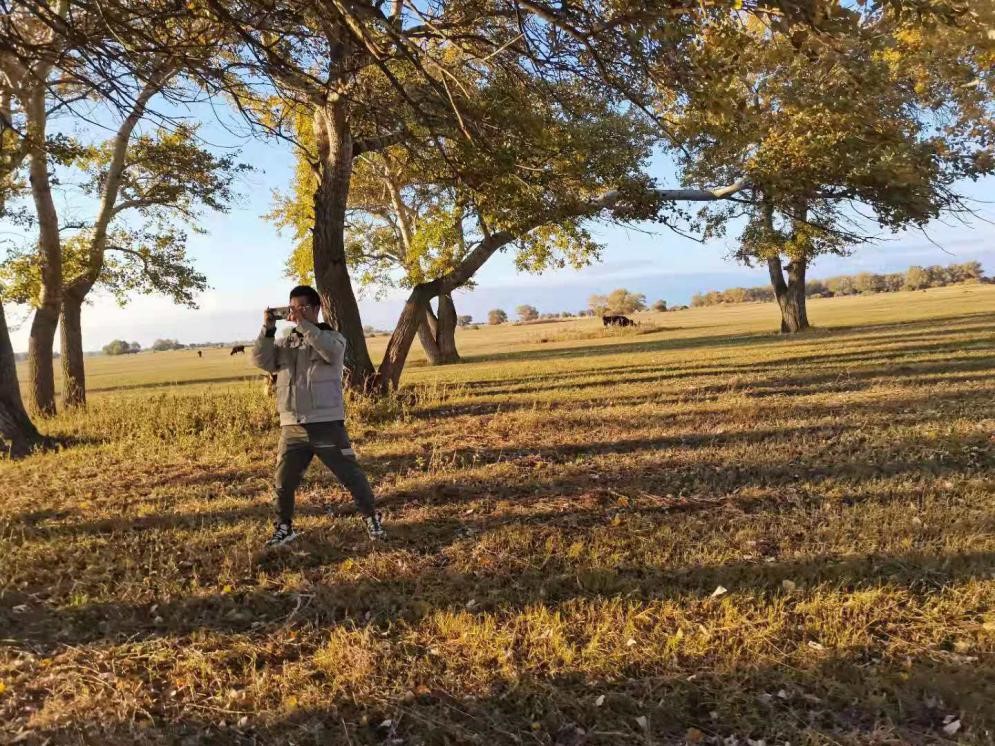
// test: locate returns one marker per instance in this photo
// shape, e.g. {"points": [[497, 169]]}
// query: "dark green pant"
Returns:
{"points": [[330, 443]]}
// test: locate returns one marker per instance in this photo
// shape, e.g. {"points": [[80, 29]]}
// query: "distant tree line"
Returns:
{"points": [[865, 283]]}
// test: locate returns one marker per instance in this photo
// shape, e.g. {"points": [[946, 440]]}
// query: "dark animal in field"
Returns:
{"points": [[237, 350], [200, 354], [617, 321]]}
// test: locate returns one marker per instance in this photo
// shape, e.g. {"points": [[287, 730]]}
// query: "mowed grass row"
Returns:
{"points": [[703, 533]]}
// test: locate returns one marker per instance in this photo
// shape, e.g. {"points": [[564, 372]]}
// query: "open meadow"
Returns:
{"points": [[695, 531]]}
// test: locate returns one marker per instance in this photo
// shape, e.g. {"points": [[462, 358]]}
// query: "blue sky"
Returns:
{"points": [[243, 256]]}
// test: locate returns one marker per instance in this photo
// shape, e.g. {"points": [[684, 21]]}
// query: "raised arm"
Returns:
{"points": [[326, 342], [264, 352]]}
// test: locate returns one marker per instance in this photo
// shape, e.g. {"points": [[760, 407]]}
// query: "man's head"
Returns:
{"points": [[304, 304]]}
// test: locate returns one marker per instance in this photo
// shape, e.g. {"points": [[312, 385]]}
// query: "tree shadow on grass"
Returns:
{"points": [[846, 693]]}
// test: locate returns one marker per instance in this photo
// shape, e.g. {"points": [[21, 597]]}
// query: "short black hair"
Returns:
{"points": [[306, 291]]}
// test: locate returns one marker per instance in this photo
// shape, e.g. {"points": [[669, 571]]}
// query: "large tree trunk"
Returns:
{"points": [[438, 334], [73, 370], [46, 319], [18, 435], [427, 332], [446, 335], [396, 354], [41, 360], [790, 294], [330, 268]]}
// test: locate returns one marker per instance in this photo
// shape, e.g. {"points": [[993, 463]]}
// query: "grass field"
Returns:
{"points": [[697, 531]]}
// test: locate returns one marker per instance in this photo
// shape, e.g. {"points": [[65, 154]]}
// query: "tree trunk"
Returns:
{"points": [[41, 360], [790, 294], [73, 370], [427, 332], [412, 318], [46, 319], [18, 435], [330, 268], [446, 335], [438, 334]]}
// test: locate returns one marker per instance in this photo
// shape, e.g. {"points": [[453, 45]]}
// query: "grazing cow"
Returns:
{"points": [[617, 321], [200, 353], [237, 350]]}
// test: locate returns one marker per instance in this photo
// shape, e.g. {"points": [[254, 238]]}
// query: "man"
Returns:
{"points": [[308, 367]]}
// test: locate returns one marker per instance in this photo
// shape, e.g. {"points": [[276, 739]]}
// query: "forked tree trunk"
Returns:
{"points": [[73, 369], [790, 294], [18, 435], [438, 334], [427, 332], [446, 335], [412, 317], [330, 269]]}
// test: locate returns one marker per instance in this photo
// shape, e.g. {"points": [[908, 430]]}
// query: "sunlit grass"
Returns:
{"points": [[703, 532]]}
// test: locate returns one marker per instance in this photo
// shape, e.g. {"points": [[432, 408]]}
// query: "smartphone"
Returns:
{"points": [[280, 313]]}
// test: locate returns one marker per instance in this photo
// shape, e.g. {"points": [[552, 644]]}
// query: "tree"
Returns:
{"points": [[819, 123], [135, 347], [164, 175], [527, 313], [916, 278], [660, 305], [166, 178], [617, 302], [468, 83], [119, 347], [464, 320], [496, 316]]}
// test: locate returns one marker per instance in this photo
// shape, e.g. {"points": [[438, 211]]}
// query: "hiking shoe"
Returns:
{"points": [[374, 528], [283, 534]]}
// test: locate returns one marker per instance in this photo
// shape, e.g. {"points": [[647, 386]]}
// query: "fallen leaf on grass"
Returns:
{"points": [[694, 736], [599, 701], [952, 727], [719, 591], [815, 645], [643, 722]]}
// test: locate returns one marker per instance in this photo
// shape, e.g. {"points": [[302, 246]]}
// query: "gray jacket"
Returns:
{"points": [[308, 367]]}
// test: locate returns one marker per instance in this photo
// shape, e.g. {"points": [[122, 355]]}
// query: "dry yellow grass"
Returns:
{"points": [[564, 515]]}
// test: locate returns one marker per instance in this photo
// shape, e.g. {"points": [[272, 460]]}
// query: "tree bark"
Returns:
{"points": [[330, 268], [73, 369], [411, 319], [46, 318], [446, 335], [790, 294], [18, 435], [427, 332]]}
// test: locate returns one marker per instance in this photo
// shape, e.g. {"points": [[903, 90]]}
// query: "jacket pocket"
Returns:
{"points": [[284, 403]]}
